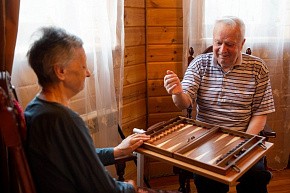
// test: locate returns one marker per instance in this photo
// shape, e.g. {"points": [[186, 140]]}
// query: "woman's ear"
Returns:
{"points": [[243, 42], [59, 72]]}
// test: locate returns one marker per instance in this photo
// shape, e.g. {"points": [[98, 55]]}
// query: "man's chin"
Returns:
{"points": [[223, 62]]}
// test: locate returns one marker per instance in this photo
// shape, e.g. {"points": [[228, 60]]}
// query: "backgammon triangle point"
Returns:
{"points": [[201, 156], [233, 140], [214, 159], [221, 137], [174, 146], [163, 143]]}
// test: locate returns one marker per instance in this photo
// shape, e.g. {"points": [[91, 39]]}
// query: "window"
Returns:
{"points": [[95, 22], [263, 18]]}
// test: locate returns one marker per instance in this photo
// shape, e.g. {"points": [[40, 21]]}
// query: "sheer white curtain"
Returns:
{"points": [[268, 35], [99, 23]]}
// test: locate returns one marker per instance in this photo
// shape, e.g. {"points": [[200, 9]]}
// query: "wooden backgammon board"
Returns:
{"points": [[209, 147]]}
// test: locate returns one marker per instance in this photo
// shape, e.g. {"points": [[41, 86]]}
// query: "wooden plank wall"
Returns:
{"points": [[164, 51], [134, 91], [153, 44]]}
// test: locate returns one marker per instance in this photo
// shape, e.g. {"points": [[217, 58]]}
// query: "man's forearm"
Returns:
{"points": [[181, 100], [257, 124]]}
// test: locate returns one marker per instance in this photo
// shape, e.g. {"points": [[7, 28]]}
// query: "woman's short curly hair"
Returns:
{"points": [[54, 47]]}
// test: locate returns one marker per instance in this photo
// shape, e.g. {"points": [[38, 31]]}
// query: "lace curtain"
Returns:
{"points": [[100, 25], [268, 35]]}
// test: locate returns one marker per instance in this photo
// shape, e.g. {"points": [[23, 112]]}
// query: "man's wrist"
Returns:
{"points": [[177, 93]]}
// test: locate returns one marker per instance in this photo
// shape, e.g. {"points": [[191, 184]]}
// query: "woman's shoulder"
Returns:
{"points": [[41, 110]]}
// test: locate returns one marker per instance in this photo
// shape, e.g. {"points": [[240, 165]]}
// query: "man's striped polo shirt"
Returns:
{"points": [[229, 99]]}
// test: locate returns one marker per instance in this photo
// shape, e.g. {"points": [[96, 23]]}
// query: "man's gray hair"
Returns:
{"points": [[234, 22]]}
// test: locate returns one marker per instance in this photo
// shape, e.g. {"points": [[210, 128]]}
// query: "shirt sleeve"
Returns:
{"points": [[192, 78], [106, 155], [263, 102]]}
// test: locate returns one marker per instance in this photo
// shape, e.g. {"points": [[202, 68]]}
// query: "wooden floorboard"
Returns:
{"points": [[280, 182]]}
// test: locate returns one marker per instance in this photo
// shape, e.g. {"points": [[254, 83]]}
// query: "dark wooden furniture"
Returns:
{"points": [[207, 146], [15, 173], [120, 164], [217, 153]]}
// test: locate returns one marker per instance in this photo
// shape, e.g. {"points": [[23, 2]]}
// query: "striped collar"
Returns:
{"points": [[238, 62]]}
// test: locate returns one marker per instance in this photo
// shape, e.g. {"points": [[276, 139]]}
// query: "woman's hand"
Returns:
{"points": [[128, 145], [132, 182]]}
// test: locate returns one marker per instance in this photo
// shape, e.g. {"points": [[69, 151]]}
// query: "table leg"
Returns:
{"points": [[140, 170]]}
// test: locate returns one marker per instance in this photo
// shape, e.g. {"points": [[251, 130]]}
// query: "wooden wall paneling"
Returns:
{"points": [[134, 36], [155, 74], [156, 88], [134, 74], [134, 97], [164, 3], [164, 39], [134, 55], [133, 111], [134, 90], [164, 17], [134, 3], [159, 117], [162, 104], [157, 70], [164, 35], [164, 50], [164, 53], [134, 17]]}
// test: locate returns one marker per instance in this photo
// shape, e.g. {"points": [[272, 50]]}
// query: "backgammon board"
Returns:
{"points": [[206, 146]]}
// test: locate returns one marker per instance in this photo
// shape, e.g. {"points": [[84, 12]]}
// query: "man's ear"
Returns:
{"points": [[59, 72]]}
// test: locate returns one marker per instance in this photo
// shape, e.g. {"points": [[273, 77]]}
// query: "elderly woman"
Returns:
{"points": [[59, 148]]}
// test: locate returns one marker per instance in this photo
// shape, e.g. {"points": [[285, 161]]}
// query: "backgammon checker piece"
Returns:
{"points": [[209, 150]]}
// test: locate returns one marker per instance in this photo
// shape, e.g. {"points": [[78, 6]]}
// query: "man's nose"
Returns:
{"points": [[223, 48]]}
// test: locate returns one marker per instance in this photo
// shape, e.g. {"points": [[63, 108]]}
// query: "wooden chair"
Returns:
{"points": [[15, 173], [120, 164], [185, 176], [267, 131]]}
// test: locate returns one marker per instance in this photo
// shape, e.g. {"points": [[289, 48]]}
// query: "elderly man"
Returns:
{"points": [[230, 89]]}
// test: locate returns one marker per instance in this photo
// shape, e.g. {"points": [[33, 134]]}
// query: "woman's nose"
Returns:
{"points": [[88, 73]]}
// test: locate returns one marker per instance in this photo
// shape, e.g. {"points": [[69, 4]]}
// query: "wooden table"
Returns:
{"points": [[230, 179]]}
